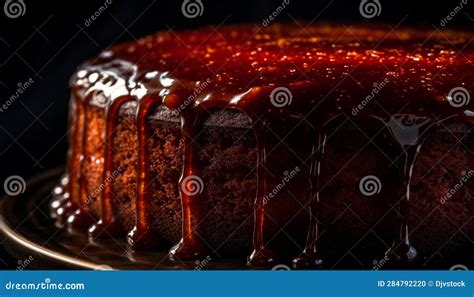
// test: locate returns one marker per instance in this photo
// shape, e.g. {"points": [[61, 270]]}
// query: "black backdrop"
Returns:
{"points": [[51, 39]]}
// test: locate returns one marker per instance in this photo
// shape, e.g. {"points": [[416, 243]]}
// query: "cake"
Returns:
{"points": [[283, 143]]}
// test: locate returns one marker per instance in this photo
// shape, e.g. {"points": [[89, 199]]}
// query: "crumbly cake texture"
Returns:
{"points": [[350, 219]]}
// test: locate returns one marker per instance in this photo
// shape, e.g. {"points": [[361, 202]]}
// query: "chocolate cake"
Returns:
{"points": [[324, 144]]}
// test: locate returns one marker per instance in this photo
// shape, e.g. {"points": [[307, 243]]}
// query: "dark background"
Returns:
{"points": [[51, 39]]}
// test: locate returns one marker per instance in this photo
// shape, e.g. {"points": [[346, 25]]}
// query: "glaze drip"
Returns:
{"points": [[311, 258], [107, 225], [261, 255], [407, 132], [142, 236], [62, 208], [191, 246], [79, 218]]}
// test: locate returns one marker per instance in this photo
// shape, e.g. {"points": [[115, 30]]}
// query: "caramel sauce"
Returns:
{"points": [[329, 70], [142, 236], [107, 224]]}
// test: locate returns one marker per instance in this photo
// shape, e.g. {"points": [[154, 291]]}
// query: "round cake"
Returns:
{"points": [[318, 144]]}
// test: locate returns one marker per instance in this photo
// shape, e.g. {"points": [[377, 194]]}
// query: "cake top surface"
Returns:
{"points": [[332, 66]]}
